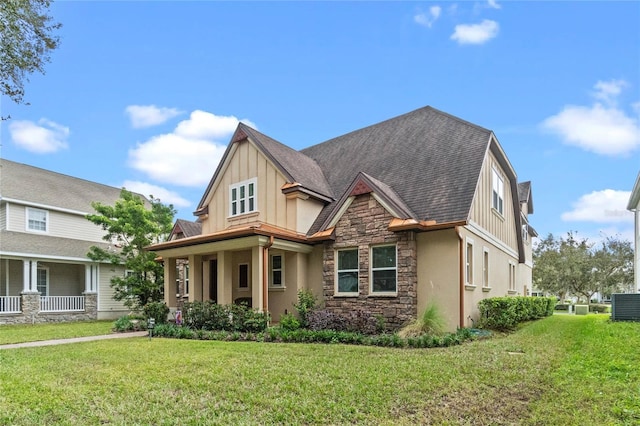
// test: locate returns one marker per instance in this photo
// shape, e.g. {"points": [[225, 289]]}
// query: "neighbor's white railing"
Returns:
{"points": [[61, 303], [10, 304]]}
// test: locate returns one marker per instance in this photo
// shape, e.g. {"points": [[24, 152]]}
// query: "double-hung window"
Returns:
{"points": [[42, 281], [497, 197], [384, 270], [276, 269], [37, 219], [469, 263], [242, 197], [347, 271]]}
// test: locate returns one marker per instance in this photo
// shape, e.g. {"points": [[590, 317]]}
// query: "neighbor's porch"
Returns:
{"points": [[36, 290], [262, 271]]}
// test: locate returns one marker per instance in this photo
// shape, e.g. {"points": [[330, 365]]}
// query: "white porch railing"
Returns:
{"points": [[61, 303], [10, 304]]}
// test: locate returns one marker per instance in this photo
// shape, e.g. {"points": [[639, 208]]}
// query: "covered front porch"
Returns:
{"points": [[46, 290], [264, 270]]}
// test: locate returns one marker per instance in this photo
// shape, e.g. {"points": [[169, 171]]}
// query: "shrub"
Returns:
{"points": [[211, 316], [505, 313], [600, 308], [129, 323], [156, 310], [306, 303], [289, 322], [430, 322]]}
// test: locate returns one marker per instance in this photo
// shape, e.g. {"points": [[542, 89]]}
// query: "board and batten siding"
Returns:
{"points": [[502, 227], [247, 162], [61, 224]]}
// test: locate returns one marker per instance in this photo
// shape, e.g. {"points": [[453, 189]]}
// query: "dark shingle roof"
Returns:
{"points": [[39, 186], [187, 227], [525, 196], [27, 243], [432, 161]]}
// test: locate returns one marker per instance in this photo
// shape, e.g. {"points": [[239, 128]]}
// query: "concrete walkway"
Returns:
{"points": [[74, 340]]}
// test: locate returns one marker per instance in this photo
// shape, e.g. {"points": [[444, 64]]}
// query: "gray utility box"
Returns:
{"points": [[625, 307]]}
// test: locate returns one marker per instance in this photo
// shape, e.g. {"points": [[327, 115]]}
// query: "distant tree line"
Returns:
{"points": [[572, 266]]}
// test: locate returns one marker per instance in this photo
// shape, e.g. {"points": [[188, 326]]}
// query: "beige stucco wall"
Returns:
{"points": [[438, 274], [314, 271]]}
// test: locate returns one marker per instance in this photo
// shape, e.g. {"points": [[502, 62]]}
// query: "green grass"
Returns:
{"points": [[35, 332], [562, 370]]}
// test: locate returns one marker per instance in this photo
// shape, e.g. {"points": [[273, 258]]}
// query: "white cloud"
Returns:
{"points": [[166, 196], [427, 20], [42, 138], [190, 154], [476, 33], [603, 129], [150, 115], [493, 4], [606, 206]]}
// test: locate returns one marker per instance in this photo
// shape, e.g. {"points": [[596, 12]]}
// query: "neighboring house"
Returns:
{"points": [[183, 229], [45, 274], [422, 208], [634, 206]]}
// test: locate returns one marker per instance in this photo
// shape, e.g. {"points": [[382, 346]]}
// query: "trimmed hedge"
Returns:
{"points": [[505, 313], [214, 317], [278, 334]]}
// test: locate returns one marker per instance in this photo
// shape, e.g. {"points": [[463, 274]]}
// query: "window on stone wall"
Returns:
{"points": [[186, 279], [384, 277], [347, 271]]}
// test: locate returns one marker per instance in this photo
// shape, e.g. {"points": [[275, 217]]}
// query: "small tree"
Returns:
{"points": [[130, 226]]}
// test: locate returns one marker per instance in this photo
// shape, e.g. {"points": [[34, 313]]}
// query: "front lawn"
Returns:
{"points": [[559, 370], [35, 332]]}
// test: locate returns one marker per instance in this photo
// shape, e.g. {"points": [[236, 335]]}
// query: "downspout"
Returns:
{"points": [[265, 275], [461, 274]]}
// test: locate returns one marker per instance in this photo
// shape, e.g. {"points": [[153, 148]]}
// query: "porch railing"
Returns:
{"points": [[10, 304], [61, 303]]}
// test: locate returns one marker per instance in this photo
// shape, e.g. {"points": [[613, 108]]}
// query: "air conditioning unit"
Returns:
{"points": [[625, 307]]}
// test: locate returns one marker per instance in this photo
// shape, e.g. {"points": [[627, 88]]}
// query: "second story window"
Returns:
{"points": [[242, 197], [37, 220], [497, 196]]}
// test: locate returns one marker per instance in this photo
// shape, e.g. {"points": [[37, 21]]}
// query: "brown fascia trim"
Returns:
{"points": [[397, 225], [227, 235], [289, 188], [326, 235], [203, 211]]}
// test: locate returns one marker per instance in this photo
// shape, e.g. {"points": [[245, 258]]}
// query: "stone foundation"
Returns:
{"points": [[31, 314]]}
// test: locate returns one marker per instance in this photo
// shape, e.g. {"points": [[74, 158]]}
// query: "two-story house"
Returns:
{"points": [[45, 274], [421, 208]]}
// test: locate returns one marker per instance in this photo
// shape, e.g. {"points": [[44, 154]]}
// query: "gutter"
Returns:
{"points": [[461, 274]]}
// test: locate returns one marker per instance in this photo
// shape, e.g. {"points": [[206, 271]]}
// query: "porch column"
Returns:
{"points": [[30, 276], [170, 288], [225, 283], [195, 278], [90, 278], [257, 265]]}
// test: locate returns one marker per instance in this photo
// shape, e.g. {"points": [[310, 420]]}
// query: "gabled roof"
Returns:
{"points": [[431, 159], [186, 228], [38, 186], [525, 196]]}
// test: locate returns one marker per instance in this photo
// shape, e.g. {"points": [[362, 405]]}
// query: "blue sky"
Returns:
{"points": [[146, 94]]}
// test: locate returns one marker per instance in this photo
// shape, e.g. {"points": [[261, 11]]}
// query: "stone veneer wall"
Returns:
{"points": [[31, 314], [365, 223]]}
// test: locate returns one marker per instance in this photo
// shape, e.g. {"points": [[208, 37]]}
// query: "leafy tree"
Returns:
{"points": [[574, 266], [26, 40], [130, 226]]}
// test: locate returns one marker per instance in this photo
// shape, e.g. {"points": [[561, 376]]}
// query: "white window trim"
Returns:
{"points": [[237, 186], [468, 263], [46, 220], [186, 280], [512, 278], [337, 291], [496, 177], [486, 268], [46, 270], [248, 287], [271, 285], [372, 269]]}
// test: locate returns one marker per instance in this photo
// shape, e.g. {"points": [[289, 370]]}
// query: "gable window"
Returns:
{"points": [[497, 197], [242, 197], [42, 281], [383, 270], [37, 219], [347, 271], [276, 269], [525, 232], [469, 263], [243, 276]]}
